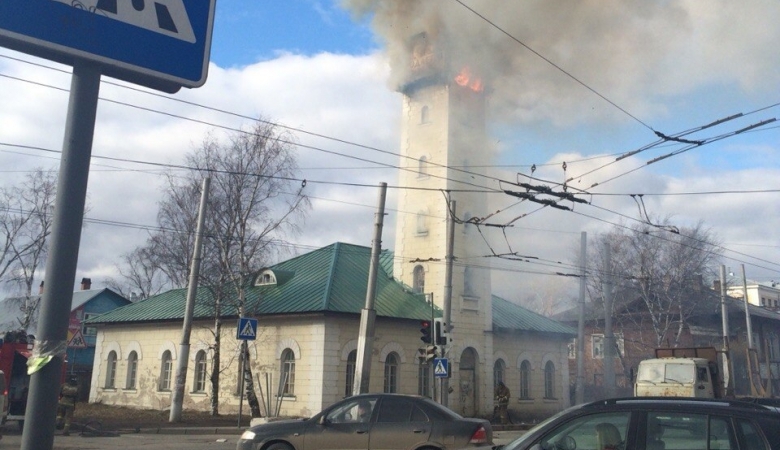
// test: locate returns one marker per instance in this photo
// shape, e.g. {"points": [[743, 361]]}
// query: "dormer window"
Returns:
{"points": [[265, 278]]}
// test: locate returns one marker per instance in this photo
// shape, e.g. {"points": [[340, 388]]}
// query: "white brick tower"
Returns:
{"points": [[443, 146]]}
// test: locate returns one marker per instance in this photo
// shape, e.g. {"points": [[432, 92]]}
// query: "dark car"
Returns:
{"points": [[657, 423], [373, 421]]}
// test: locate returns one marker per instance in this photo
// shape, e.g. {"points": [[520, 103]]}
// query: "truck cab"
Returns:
{"points": [[675, 377]]}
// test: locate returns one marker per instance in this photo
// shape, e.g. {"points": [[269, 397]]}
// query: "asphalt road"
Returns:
{"points": [[12, 440]]}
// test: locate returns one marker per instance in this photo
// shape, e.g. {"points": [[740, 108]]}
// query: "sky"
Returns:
{"points": [[576, 83]]}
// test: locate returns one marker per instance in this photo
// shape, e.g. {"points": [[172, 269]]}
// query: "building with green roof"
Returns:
{"points": [[308, 309]]}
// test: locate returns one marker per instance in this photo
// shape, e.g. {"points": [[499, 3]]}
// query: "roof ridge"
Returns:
{"points": [[331, 272]]}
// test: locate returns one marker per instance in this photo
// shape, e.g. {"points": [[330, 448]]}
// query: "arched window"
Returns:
{"points": [[425, 114], [499, 369], [166, 371], [391, 373], [351, 364], [111, 370], [422, 167], [419, 279], [549, 380], [525, 379], [422, 226], [132, 370], [200, 372], [288, 371]]}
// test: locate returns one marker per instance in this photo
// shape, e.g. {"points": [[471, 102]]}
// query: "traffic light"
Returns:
{"points": [[440, 332], [426, 331]]}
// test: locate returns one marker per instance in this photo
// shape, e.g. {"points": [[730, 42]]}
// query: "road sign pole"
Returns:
{"points": [[39, 419]]}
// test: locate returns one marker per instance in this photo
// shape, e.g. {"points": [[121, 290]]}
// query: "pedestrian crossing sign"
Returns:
{"points": [[247, 329], [440, 366]]}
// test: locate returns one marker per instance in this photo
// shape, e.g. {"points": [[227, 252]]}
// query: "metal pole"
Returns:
{"points": [[580, 382], [447, 301], [192, 291], [241, 385], [368, 314], [60, 272]]}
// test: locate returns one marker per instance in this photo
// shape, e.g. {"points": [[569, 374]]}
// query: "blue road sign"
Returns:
{"points": [[440, 366], [163, 44], [247, 329]]}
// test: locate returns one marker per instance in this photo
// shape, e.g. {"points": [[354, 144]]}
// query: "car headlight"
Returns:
{"points": [[248, 435]]}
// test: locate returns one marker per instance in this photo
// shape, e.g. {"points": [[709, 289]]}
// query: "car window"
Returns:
{"points": [[352, 411], [669, 431], [394, 410], [418, 415], [751, 435], [604, 431]]}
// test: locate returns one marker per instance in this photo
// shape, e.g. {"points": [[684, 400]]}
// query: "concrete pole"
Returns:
{"points": [[368, 314], [609, 338], [192, 291], [39, 419], [579, 395], [724, 311], [747, 311], [447, 301]]}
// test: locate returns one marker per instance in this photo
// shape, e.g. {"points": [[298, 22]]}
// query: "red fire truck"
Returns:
{"points": [[15, 348]]}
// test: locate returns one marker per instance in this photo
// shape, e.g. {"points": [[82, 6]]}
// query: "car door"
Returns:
{"points": [[341, 427], [400, 424]]}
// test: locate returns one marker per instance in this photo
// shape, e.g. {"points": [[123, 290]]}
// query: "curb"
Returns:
{"points": [[183, 430]]}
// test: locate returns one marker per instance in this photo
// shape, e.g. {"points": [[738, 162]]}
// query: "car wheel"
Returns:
{"points": [[278, 446]]}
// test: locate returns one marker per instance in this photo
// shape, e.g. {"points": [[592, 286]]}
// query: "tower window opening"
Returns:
{"points": [[425, 115]]}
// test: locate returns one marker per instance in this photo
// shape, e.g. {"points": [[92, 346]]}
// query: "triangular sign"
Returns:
{"points": [[439, 369], [247, 331], [77, 341]]}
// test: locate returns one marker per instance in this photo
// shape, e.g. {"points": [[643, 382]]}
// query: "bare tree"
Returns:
{"points": [[658, 272], [26, 221], [253, 205]]}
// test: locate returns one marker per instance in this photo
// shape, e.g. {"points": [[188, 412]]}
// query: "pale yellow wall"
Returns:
{"points": [[537, 349]]}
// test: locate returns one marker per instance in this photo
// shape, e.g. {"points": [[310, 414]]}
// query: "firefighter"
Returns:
{"points": [[68, 394], [502, 399]]}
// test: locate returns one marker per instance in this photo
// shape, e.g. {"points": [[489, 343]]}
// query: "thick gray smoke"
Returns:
{"points": [[638, 53]]}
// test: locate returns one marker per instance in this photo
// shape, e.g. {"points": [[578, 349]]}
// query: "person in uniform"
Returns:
{"points": [[68, 394], [502, 400]]}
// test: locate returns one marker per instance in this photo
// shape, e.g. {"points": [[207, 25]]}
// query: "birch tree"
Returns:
{"points": [[26, 220], [253, 206]]}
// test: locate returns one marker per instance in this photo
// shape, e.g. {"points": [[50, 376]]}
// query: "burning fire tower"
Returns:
{"points": [[443, 141]]}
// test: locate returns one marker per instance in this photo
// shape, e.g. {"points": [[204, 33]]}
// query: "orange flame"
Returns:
{"points": [[466, 79]]}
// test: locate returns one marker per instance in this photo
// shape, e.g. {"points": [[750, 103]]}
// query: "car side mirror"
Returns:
{"points": [[323, 420]]}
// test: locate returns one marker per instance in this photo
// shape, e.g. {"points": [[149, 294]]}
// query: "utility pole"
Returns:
{"points": [[609, 338], [447, 302], [747, 311], [579, 395], [726, 368], [192, 291], [368, 314]]}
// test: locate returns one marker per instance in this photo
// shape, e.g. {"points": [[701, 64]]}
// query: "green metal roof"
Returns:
{"points": [[329, 279], [510, 316]]}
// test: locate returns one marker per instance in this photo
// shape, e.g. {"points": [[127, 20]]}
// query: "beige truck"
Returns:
{"points": [[680, 372]]}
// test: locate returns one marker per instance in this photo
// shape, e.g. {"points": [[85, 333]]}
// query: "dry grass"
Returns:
{"points": [[120, 417]]}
